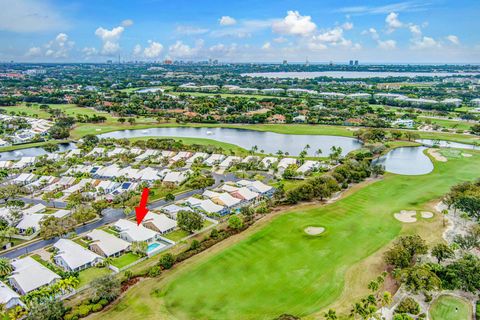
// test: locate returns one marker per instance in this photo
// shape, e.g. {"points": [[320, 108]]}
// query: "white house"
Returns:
{"points": [[116, 152], [245, 194], [24, 178], [73, 257], [29, 275], [159, 222], [182, 155], [205, 205], [176, 177], [107, 186], [131, 232], [106, 244], [308, 166], [268, 161], [173, 209], [197, 155], [24, 162], [229, 161], [285, 162], [256, 186], [214, 159], [146, 154], [96, 152], [8, 297]]}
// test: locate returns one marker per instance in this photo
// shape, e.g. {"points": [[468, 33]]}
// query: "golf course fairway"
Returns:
{"points": [[281, 269]]}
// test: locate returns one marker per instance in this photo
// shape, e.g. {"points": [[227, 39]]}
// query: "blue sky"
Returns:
{"points": [[240, 31]]}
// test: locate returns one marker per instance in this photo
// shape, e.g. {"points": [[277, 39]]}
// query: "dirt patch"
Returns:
{"points": [[406, 216], [314, 231], [466, 155], [426, 214], [436, 155]]}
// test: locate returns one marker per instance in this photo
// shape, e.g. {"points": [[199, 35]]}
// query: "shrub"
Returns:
{"points": [[103, 302], [408, 305], [166, 261], [70, 316], [84, 310], [97, 307], [194, 245], [214, 234], [154, 271]]}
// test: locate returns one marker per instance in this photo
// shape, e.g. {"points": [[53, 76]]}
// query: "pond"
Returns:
{"points": [[269, 142], [406, 161], [352, 74], [447, 144], [32, 152]]}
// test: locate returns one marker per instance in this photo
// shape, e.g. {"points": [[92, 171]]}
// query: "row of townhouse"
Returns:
{"points": [[226, 199]]}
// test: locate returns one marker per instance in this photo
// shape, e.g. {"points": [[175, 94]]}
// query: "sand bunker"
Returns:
{"points": [[466, 155], [426, 214], [313, 231], [406, 216], [436, 155]]}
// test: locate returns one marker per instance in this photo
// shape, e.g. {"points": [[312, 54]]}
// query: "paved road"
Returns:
{"points": [[109, 215]]}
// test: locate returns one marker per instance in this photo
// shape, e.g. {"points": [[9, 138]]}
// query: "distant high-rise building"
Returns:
{"points": [[351, 62], [167, 61], [307, 63], [356, 62], [109, 61], [285, 62]]}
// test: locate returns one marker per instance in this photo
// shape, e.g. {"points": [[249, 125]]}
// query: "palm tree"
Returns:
{"points": [[5, 267], [444, 214], [318, 152], [373, 285], [330, 315], [386, 299]]}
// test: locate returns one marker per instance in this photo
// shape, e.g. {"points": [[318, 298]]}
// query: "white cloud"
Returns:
{"points": [[267, 46], [34, 52], [110, 39], [415, 29], [29, 16], [180, 50], [294, 24], [137, 50], [190, 30], [154, 50], [453, 39], [280, 40], [227, 21], [424, 42], [127, 23], [406, 6], [347, 26], [58, 48], [89, 51], [393, 22], [387, 44]]}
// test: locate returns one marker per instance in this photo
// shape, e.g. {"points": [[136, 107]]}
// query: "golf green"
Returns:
{"points": [[449, 307]]}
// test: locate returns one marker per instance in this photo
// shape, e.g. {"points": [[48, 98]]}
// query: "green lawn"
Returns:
{"points": [[87, 275], [125, 260], [449, 307], [69, 109], [279, 269], [179, 234], [450, 124]]}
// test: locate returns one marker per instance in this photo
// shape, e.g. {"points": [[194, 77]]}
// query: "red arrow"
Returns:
{"points": [[142, 210]]}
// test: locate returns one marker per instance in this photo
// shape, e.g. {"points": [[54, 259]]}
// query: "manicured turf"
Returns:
{"points": [[87, 275], [279, 269], [179, 234], [449, 308], [125, 260]]}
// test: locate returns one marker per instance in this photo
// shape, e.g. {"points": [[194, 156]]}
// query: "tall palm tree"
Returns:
{"points": [[330, 315], [5, 267]]}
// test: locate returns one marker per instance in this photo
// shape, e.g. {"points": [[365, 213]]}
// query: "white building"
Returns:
{"points": [[106, 244], [29, 275], [73, 257], [176, 177], [131, 232], [8, 297], [159, 223]]}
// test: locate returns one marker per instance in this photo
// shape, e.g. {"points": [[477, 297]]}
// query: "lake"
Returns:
{"points": [[269, 142], [406, 161], [33, 152], [353, 74]]}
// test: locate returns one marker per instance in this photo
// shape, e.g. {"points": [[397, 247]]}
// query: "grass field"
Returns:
{"points": [[69, 109], [449, 307], [450, 124], [87, 275], [279, 269], [204, 142], [125, 260]]}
